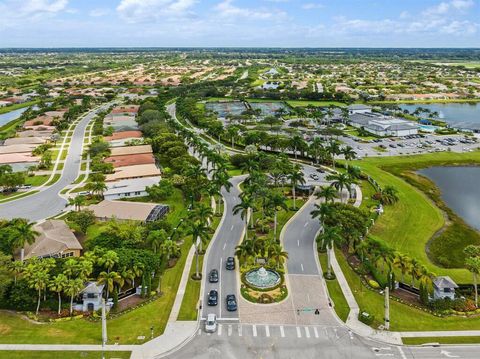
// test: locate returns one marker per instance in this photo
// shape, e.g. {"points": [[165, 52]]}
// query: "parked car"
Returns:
{"points": [[213, 297], [213, 276], [231, 302], [230, 263], [211, 323]]}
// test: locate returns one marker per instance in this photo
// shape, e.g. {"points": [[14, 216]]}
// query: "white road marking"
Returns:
{"points": [[315, 332], [402, 353], [240, 331], [225, 244], [199, 331], [308, 297], [301, 266], [447, 354], [282, 332], [299, 333], [298, 242], [267, 331], [254, 329], [306, 224], [231, 229], [335, 330], [219, 329], [307, 332], [229, 330], [326, 332]]}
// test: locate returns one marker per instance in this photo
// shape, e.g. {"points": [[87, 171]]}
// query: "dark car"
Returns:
{"points": [[230, 263], [213, 276], [231, 303], [213, 297]]}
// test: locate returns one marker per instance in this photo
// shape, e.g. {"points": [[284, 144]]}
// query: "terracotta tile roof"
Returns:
{"points": [[130, 150], [123, 134], [129, 160]]}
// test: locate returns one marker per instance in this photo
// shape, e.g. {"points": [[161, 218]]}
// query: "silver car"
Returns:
{"points": [[211, 323]]}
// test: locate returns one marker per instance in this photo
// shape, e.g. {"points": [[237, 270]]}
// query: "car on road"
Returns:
{"points": [[211, 323], [314, 176], [230, 263], [213, 297], [213, 276], [231, 302]]}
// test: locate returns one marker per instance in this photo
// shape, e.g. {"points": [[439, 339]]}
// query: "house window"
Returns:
{"points": [[447, 290], [127, 194], [137, 193], [91, 295], [68, 254]]}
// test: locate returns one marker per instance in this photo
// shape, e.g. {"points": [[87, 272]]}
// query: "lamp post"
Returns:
{"points": [[104, 328]]}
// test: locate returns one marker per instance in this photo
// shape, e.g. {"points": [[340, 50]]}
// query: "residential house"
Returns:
{"points": [[136, 171], [19, 161], [123, 135], [129, 188], [124, 211], [91, 297], [130, 160], [130, 150], [444, 287]]}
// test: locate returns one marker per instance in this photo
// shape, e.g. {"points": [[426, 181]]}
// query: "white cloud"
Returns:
{"points": [[311, 5], [134, 11], [98, 12], [15, 11], [446, 7], [228, 10]]}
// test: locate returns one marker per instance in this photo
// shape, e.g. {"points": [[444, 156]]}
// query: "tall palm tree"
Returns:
{"points": [[202, 213], [402, 262], [110, 279], [322, 212], [199, 234], [24, 234], [277, 253], [244, 207], [415, 271], [57, 284], [348, 153], [96, 188], [329, 237], [473, 265], [77, 202], [72, 288], [296, 178], [39, 281], [108, 260], [17, 269], [169, 249], [340, 181], [243, 251], [333, 149], [276, 202], [155, 239], [328, 193]]}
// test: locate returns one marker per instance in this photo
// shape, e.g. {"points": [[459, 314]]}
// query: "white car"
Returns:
{"points": [[211, 323]]}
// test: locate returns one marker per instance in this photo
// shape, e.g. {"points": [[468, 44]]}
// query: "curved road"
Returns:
{"points": [[48, 202]]}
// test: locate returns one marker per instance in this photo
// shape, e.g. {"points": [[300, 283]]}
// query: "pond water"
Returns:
{"points": [[461, 115], [460, 190], [10, 116]]}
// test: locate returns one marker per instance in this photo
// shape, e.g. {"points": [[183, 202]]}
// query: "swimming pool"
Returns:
{"points": [[427, 128]]}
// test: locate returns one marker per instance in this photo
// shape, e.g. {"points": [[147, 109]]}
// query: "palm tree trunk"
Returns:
{"points": [[71, 304], [246, 226], [329, 263], [38, 302], [275, 226], [295, 152], [22, 254], [475, 288], [59, 303], [293, 192], [196, 264]]}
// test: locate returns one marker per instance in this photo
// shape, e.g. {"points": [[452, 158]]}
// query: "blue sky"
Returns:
{"points": [[261, 23]]}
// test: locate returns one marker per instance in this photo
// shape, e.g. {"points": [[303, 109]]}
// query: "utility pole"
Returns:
{"points": [[387, 308], [104, 328]]}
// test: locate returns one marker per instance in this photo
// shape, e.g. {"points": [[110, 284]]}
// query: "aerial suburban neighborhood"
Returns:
{"points": [[302, 183]]}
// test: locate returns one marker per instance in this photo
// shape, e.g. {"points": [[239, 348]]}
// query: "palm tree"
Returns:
{"points": [[38, 281], [322, 211], [296, 143], [328, 193], [244, 208], [296, 178], [108, 260], [17, 269], [77, 202], [199, 234], [57, 284], [110, 279], [389, 195], [24, 234], [329, 237], [340, 181], [243, 251], [96, 188], [202, 213], [137, 271], [169, 249], [232, 132], [156, 238], [276, 202], [426, 279], [415, 270], [473, 265], [354, 172], [72, 288], [348, 153], [333, 149], [277, 253], [402, 262]]}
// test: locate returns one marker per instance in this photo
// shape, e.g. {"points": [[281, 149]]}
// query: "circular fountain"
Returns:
{"points": [[263, 278]]}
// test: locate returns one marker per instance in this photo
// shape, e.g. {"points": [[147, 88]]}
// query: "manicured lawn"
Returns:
{"points": [[410, 224], [37, 180], [402, 317], [62, 355], [441, 340], [14, 195], [340, 303]]}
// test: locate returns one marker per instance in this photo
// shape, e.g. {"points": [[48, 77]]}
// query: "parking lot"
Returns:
{"points": [[414, 144]]}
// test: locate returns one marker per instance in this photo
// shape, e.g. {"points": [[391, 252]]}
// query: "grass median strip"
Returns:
{"points": [[27, 354], [441, 340]]}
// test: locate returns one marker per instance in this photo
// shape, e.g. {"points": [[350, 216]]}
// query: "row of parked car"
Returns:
{"points": [[230, 299]]}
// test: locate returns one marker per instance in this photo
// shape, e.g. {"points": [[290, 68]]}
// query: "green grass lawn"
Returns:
{"points": [[335, 291], [441, 340], [410, 224], [37, 180], [15, 195], [24, 354], [402, 317]]}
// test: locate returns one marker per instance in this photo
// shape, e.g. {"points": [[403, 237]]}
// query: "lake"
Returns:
{"points": [[461, 115], [460, 190], [12, 115]]}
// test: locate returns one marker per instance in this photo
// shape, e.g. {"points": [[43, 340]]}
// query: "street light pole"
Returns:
{"points": [[387, 308], [104, 328]]}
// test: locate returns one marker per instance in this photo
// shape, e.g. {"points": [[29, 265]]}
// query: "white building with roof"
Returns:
{"points": [[130, 188], [382, 125], [444, 287]]}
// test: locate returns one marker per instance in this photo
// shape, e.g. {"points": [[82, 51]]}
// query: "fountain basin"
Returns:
{"points": [[262, 278]]}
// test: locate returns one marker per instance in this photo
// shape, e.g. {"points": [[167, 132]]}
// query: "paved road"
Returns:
{"points": [[224, 245], [48, 202]]}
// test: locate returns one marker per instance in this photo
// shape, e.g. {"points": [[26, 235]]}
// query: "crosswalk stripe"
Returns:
{"points": [[199, 331], [239, 330], [315, 332], [307, 332], [219, 329], [254, 328], [229, 330], [267, 331], [282, 332], [299, 333]]}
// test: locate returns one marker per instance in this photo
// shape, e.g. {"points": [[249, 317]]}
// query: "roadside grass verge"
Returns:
{"points": [[13, 196], [28, 354], [440, 340], [335, 291]]}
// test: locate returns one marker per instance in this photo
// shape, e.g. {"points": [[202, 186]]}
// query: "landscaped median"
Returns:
{"points": [[45, 354]]}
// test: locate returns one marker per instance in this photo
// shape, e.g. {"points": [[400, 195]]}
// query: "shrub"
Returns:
{"points": [[366, 318], [374, 284]]}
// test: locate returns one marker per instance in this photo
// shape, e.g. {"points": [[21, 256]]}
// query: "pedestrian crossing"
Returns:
{"points": [[278, 331]]}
